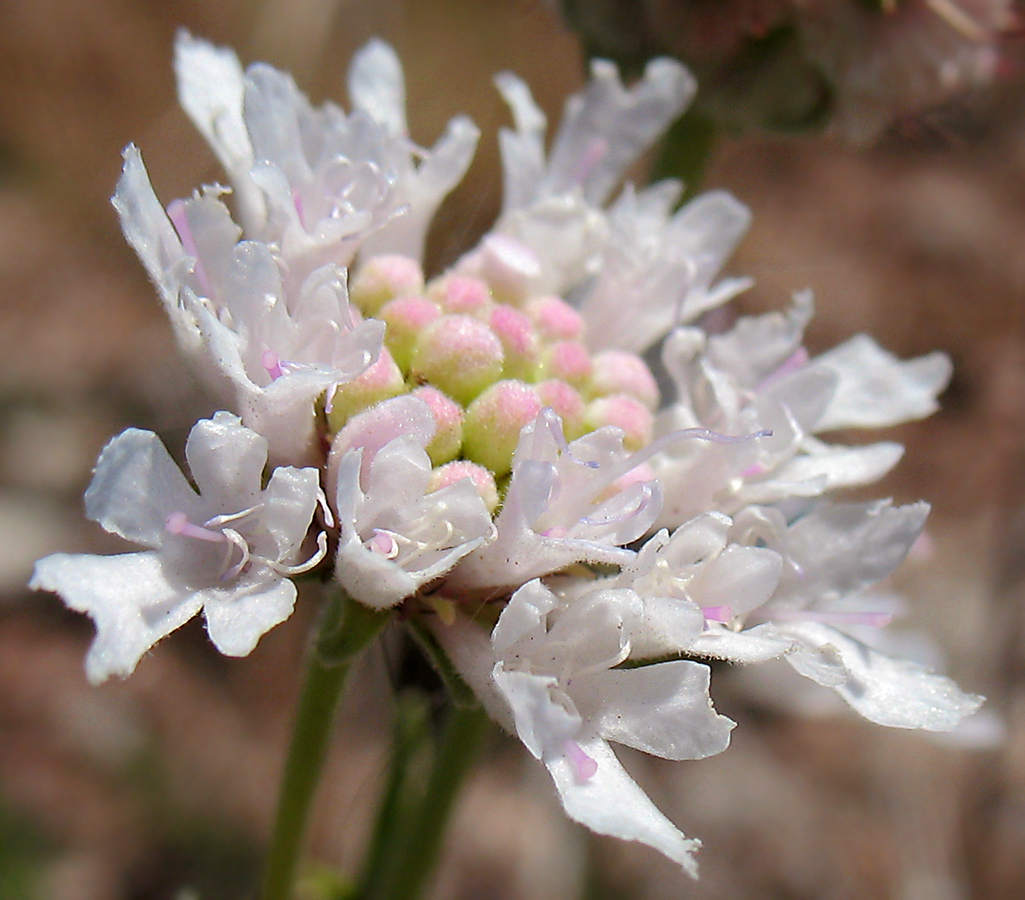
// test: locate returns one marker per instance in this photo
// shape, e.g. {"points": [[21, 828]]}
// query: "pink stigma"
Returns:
{"points": [[269, 360], [586, 767], [717, 613], [178, 523]]}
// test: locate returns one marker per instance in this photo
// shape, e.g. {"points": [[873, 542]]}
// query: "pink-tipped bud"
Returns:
{"points": [[568, 361], [618, 372], [448, 420], [458, 355], [555, 319], [381, 381], [407, 318], [624, 412], [456, 471], [381, 278], [461, 295], [519, 343], [567, 403], [493, 421]]}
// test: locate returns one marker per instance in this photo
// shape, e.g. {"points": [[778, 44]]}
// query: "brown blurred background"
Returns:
{"points": [[162, 786]]}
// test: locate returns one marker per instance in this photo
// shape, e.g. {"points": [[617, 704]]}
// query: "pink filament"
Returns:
{"points": [[586, 766], [717, 613], [178, 523], [596, 151]]}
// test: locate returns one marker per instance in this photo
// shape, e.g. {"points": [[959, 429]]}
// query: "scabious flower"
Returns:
{"points": [[493, 446], [227, 550]]}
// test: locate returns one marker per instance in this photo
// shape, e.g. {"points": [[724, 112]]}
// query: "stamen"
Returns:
{"points": [[553, 424], [325, 509], [872, 619], [642, 502], [586, 766], [234, 540], [178, 523], [312, 562], [218, 521], [717, 613]]}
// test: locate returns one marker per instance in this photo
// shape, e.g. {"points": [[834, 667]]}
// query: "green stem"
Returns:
{"points": [[346, 628], [418, 854]]}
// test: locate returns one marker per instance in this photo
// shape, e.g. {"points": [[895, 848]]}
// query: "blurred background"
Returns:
{"points": [[906, 219]]}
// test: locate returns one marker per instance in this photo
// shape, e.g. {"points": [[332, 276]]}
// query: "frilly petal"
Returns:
{"points": [[610, 802], [134, 487], [893, 692], [127, 596], [237, 617]]}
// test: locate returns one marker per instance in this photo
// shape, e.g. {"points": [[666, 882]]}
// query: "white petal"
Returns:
{"points": [[210, 90], [842, 549], [135, 486], [237, 617], [893, 692], [523, 615], [742, 578], [605, 128], [227, 461], [752, 645], [876, 389], [289, 501], [128, 598], [541, 723], [610, 802], [377, 87], [523, 152], [663, 709]]}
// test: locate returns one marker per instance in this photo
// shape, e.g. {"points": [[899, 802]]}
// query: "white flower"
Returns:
{"points": [[227, 550], [550, 673], [396, 535], [319, 182], [270, 350], [758, 377], [832, 556]]}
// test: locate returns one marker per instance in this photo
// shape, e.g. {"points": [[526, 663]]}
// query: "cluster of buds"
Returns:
{"points": [[487, 447]]}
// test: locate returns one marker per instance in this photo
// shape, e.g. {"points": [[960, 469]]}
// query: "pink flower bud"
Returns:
{"points": [[458, 355], [555, 319], [618, 372], [381, 381], [448, 420], [406, 318], [456, 471], [516, 332], [624, 412], [493, 421], [381, 278]]}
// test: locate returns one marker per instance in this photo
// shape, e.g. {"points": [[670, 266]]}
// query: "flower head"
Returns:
{"points": [[496, 454]]}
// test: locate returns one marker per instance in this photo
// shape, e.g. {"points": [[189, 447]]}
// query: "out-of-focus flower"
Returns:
{"points": [[227, 550], [856, 66]]}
